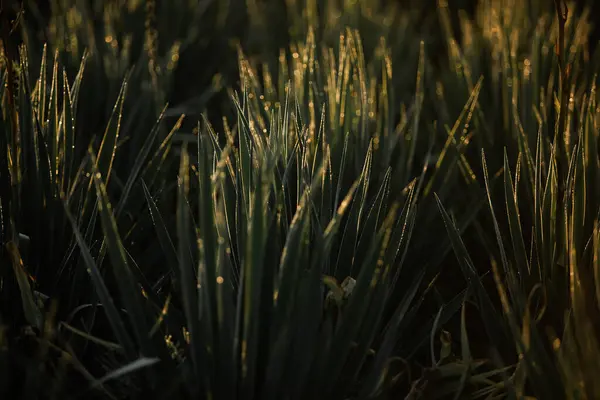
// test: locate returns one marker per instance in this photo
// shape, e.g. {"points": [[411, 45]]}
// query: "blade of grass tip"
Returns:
{"points": [[77, 82], [112, 313], [342, 168], [362, 80], [466, 353], [141, 159], [289, 169], [445, 165], [334, 225], [538, 189], [30, 155], [403, 233], [164, 238], [108, 146], [352, 229], [514, 222], [68, 123], [432, 337], [548, 218], [513, 290], [245, 157], [41, 85], [579, 233], [130, 290], [189, 291], [53, 118], [375, 214]]}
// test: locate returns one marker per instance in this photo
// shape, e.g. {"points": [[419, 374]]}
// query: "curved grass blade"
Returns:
{"points": [[189, 290], [141, 159], [252, 286], [112, 313], [494, 328], [33, 314], [130, 290], [106, 153], [514, 222], [140, 363]]}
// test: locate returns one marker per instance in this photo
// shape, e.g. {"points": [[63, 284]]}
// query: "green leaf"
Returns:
{"points": [[114, 318], [30, 308], [514, 222], [128, 286], [188, 281], [108, 146], [491, 319]]}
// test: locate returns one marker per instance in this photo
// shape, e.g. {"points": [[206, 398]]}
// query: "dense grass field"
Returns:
{"points": [[299, 199]]}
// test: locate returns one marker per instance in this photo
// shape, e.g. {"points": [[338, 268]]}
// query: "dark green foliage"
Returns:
{"points": [[337, 200]]}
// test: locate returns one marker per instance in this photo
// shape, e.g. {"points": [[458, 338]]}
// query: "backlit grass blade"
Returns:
{"points": [[164, 237], [68, 126], [114, 318], [188, 280], [53, 120], [33, 314], [252, 286], [225, 305], [133, 366], [207, 261], [108, 146], [352, 228], [445, 163], [510, 194], [419, 98], [375, 215], [391, 337], [289, 269], [286, 299], [75, 90], [494, 327], [129, 288], [398, 248], [356, 308], [512, 285], [465, 352], [141, 160]]}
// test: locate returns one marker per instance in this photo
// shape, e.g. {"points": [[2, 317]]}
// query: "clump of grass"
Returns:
{"points": [[544, 222], [248, 304], [296, 249]]}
